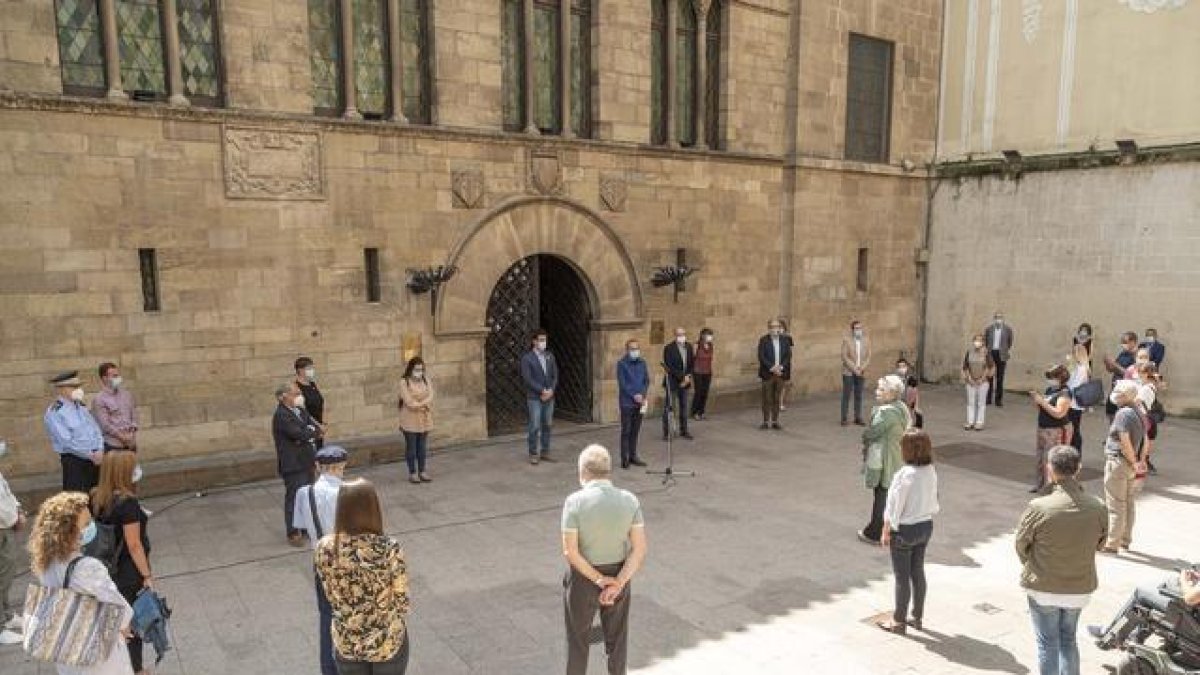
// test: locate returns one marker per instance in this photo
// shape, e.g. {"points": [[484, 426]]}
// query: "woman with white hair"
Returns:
{"points": [[881, 450], [1125, 459]]}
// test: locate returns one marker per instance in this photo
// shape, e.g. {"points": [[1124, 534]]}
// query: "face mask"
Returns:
{"points": [[88, 534], [999, 321], [635, 354], [776, 332], [903, 370], [1084, 336], [77, 395], [137, 472], [115, 382], [1151, 339], [3, 448], [419, 372], [858, 332], [1142, 362], [680, 339], [1051, 383], [978, 344], [299, 401], [310, 373], [708, 339], [541, 345]]}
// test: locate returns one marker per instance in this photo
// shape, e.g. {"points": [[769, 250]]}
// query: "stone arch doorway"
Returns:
{"points": [[538, 291]]}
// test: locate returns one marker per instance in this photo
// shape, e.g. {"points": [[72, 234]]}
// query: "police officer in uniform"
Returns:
{"points": [[74, 434]]}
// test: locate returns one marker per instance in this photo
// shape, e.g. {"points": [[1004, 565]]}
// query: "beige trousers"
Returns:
{"points": [[1120, 491]]}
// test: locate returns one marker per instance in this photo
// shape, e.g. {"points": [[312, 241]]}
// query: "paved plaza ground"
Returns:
{"points": [[753, 564]]}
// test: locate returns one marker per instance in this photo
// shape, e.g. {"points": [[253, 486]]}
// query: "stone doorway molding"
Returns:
{"points": [[529, 225]]}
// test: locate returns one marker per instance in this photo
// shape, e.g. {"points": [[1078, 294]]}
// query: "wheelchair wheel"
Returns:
{"points": [[1135, 665]]}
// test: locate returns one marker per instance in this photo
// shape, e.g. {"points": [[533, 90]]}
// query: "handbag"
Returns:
{"points": [[1089, 393], [68, 627]]}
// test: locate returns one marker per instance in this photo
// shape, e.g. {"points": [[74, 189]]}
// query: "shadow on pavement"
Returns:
{"points": [[967, 651]]}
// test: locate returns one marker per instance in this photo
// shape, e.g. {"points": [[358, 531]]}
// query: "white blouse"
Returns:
{"points": [[912, 497]]}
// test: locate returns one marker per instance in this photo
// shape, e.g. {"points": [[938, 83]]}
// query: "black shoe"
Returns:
{"points": [[637, 461], [764, 425], [777, 426], [624, 464], [915, 623], [865, 539], [999, 404], [687, 435], [666, 437]]}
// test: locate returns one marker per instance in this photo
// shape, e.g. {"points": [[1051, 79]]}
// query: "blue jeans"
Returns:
{"points": [[415, 446], [1054, 627], [855, 383], [541, 414], [325, 627]]}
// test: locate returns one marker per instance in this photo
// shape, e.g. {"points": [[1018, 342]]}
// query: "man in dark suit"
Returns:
{"points": [[539, 371], [679, 359], [998, 337], [774, 367], [296, 435]]}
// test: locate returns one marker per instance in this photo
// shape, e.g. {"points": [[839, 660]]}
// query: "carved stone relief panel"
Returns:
{"points": [[545, 172], [468, 188], [614, 192], [268, 164]]}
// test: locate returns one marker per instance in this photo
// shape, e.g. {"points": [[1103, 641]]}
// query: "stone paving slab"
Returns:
{"points": [[753, 563]]}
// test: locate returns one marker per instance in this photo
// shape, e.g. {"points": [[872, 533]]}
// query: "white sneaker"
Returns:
{"points": [[17, 623], [8, 637]]}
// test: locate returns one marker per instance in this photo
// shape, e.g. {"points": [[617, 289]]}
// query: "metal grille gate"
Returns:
{"points": [[539, 291]]}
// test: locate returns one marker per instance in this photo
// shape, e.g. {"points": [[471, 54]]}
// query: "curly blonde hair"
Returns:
{"points": [[55, 533]]}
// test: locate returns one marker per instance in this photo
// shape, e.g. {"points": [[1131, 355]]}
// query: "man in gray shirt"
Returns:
{"points": [[605, 543]]}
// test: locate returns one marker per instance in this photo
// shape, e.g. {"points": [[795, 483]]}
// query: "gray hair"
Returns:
{"points": [[892, 384], [283, 389], [1064, 461], [595, 462], [1123, 389]]}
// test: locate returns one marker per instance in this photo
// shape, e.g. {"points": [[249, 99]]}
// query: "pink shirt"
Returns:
{"points": [[114, 412]]}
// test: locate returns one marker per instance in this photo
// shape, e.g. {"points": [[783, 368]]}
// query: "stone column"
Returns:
{"points": [[701, 72], [564, 59], [396, 62], [346, 19], [669, 99], [112, 53], [527, 65], [170, 21]]}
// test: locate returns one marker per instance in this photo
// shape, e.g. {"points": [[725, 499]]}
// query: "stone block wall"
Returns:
{"points": [[1116, 247]]}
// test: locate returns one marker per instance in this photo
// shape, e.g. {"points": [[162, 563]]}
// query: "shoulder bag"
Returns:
{"points": [[1089, 393], [67, 627]]}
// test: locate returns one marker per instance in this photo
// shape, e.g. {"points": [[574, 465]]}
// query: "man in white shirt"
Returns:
{"points": [[11, 520], [318, 522]]}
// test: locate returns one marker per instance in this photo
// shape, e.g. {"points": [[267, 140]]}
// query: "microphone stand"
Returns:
{"points": [[669, 473]]}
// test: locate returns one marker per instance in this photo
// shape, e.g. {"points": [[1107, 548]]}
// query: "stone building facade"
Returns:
{"points": [[1092, 216], [261, 212]]}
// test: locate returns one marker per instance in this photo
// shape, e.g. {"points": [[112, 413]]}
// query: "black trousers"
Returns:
{"points": [[631, 426], [292, 482], [1076, 416], [678, 398], [874, 528], [700, 400], [78, 474], [130, 591], [996, 388], [581, 600], [908, 564]]}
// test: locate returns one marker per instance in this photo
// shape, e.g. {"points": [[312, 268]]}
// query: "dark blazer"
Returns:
{"points": [[535, 378], [675, 366], [295, 440], [766, 356]]}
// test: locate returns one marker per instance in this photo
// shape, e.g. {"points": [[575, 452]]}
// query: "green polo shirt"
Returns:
{"points": [[602, 515]]}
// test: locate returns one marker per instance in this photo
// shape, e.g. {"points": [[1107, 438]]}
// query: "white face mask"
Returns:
{"points": [[903, 370], [418, 372], [708, 339], [77, 394], [680, 339], [116, 382], [1142, 362], [978, 344], [1151, 339], [298, 401], [3, 448], [310, 373], [541, 345], [776, 332], [635, 354], [858, 332], [999, 320]]}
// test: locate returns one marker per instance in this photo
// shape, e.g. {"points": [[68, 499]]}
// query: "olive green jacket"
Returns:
{"points": [[1057, 540], [887, 427]]}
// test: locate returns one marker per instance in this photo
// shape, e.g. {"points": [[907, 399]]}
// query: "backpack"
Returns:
{"points": [[108, 545]]}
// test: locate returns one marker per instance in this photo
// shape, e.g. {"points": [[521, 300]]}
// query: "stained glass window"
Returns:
{"points": [[198, 50], [414, 46], [685, 74], [547, 103], [79, 45], [868, 99], [325, 55], [581, 68], [139, 36], [370, 56], [658, 71], [512, 47], [712, 68]]}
